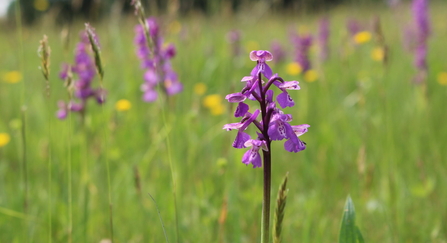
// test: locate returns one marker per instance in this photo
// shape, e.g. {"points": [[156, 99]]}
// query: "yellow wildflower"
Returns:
{"points": [[442, 78], [199, 88], [377, 54], [294, 68], [174, 27], [12, 77], [310, 76], [252, 46], [41, 5], [362, 37], [303, 28], [123, 105], [211, 101], [217, 110], [4, 139]]}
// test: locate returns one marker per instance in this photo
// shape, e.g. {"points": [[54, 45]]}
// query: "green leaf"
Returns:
{"points": [[349, 232]]}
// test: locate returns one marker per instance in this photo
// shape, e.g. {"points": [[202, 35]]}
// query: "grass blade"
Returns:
{"points": [[349, 232]]}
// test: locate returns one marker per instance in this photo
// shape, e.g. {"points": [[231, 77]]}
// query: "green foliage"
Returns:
{"points": [[349, 231]]}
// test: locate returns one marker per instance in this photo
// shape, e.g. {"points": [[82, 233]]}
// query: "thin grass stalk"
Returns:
{"points": [[280, 208], [100, 70], [18, 14], [50, 169], [85, 178], [44, 53], [161, 220], [25, 166], [139, 11], [171, 168], [106, 157], [70, 196]]}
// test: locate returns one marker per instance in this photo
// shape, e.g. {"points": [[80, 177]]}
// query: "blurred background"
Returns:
{"points": [[373, 78]]}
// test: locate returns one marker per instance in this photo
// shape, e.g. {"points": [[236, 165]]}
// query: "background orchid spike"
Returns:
{"points": [[79, 76], [274, 124], [155, 60]]}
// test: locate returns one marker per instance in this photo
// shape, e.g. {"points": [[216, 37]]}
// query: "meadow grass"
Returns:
{"points": [[373, 135]]}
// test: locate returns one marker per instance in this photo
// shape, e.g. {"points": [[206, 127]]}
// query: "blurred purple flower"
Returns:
{"points": [[155, 60], [234, 38], [421, 34], [353, 27], [277, 51], [274, 124], [420, 57], [421, 21], [85, 70], [302, 44], [323, 38]]}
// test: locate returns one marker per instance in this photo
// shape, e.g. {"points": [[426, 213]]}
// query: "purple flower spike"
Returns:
{"points": [[323, 38], [273, 124], [278, 52], [421, 33], [81, 74], [155, 60], [234, 38], [420, 13], [302, 45]]}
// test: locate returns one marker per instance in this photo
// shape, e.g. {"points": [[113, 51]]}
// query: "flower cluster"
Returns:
{"points": [[85, 70], [323, 38], [155, 60], [421, 33], [302, 45], [353, 26], [274, 124], [278, 51], [234, 38]]}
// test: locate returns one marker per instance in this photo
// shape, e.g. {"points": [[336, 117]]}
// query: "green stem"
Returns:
{"points": [[49, 173], [265, 233], [171, 167], [265, 225], [18, 13], [25, 165], [70, 198]]}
